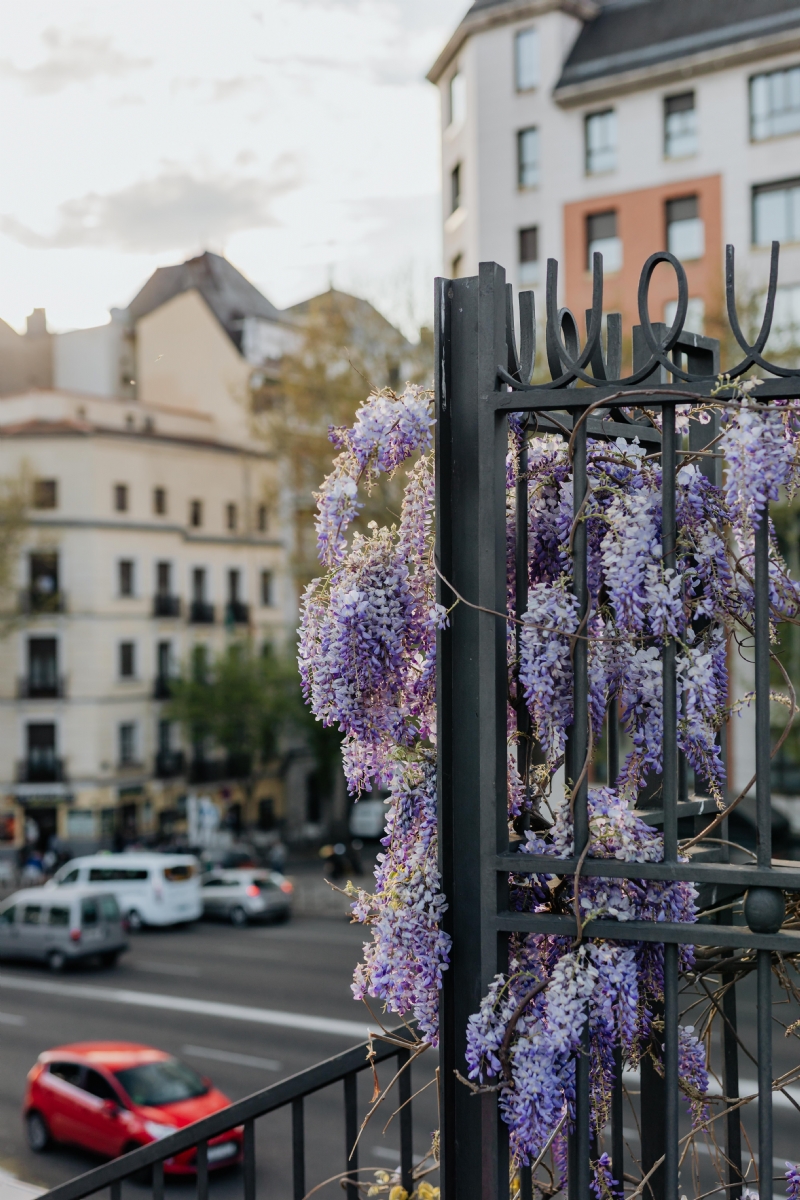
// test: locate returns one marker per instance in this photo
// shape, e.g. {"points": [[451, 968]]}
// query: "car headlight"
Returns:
{"points": [[156, 1130]]}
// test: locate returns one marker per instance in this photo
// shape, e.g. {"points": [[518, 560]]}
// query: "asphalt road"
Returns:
{"points": [[303, 969]]}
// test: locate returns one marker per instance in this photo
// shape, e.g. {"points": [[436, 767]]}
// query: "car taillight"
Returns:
{"points": [[253, 890], [287, 887], [74, 935]]}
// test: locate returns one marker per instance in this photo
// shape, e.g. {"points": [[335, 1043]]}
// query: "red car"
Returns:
{"points": [[112, 1097]]}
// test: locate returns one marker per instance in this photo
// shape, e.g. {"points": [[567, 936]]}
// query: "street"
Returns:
{"points": [[303, 969]]}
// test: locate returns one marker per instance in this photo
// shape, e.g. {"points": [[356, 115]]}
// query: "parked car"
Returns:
{"points": [[66, 926], [112, 1097], [151, 889], [242, 896], [368, 818]]}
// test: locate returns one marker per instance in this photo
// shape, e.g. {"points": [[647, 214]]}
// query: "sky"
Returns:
{"points": [[297, 137]]}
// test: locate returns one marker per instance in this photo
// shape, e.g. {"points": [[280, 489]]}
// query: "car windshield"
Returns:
{"points": [[164, 1082]]}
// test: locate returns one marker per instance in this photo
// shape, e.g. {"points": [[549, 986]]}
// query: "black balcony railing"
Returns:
{"points": [[162, 688], [33, 600], [208, 770], [41, 689], [166, 606], [343, 1068], [41, 769], [237, 613], [201, 613], [169, 763]]}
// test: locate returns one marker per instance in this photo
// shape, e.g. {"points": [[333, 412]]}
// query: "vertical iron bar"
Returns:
{"points": [[201, 1161], [158, 1181], [350, 1135], [761, 623], [730, 1083], [671, 1149], [669, 778], [298, 1150], [764, 1021], [617, 1136], [406, 1127], [520, 606], [115, 1190], [472, 443], [249, 1159], [577, 779]]}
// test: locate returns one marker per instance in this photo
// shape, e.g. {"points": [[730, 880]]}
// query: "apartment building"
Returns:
{"points": [[155, 532], [626, 126]]}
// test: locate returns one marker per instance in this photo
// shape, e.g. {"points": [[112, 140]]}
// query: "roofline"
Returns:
{"points": [[643, 72], [502, 14], [58, 430]]}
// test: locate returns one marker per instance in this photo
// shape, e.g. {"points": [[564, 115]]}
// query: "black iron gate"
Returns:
{"points": [[480, 381]]}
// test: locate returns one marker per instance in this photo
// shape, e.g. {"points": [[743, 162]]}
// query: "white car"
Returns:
{"points": [[151, 889], [241, 896]]}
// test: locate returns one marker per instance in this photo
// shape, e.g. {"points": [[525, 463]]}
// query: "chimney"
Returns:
{"points": [[36, 323]]}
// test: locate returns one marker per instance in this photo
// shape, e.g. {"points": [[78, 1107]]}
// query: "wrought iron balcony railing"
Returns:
{"points": [[41, 770], [201, 613], [41, 689], [166, 606]]}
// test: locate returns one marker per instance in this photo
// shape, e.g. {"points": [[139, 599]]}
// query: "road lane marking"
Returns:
{"points": [[747, 1087], [147, 964], [11, 1019], [188, 1004], [229, 1056]]}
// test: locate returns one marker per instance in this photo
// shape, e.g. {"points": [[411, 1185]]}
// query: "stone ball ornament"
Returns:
{"points": [[764, 909]]}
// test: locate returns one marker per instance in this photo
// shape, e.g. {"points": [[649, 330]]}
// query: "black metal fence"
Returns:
{"points": [[148, 1161], [480, 380]]}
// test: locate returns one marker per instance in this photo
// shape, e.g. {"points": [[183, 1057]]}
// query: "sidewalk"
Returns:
{"points": [[12, 1188]]}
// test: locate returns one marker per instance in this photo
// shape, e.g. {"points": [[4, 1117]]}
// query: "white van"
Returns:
{"points": [[151, 889], [62, 927]]}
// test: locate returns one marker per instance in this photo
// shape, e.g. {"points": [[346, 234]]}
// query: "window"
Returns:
{"points": [[457, 99], [785, 335], [262, 518], [69, 1072], [164, 1082], [455, 188], [45, 493], [776, 213], [527, 158], [199, 584], [179, 873], [127, 660], [121, 497], [231, 516], [125, 570], [601, 142], [95, 1084], [685, 230], [164, 578], [456, 265], [266, 588], [127, 744], [680, 126], [7, 915], [59, 916], [601, 238], [89, 911], [159, 501], [32, 914], [775, 104], [196, 513], [41, 738], [529, 255], [234, 579], [526, 59], [42, 666], [44, 579]]}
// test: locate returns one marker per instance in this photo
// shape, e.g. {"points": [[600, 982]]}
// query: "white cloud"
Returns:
{"points": [[71, 58], [174, 210]]}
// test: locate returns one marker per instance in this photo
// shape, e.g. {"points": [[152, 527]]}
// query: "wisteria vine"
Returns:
{"points": [[367, 658]]}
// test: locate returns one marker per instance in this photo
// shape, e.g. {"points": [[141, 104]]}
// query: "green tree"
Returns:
{"points": [[243, 703]]}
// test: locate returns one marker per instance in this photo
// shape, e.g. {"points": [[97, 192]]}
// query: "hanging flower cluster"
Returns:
{"points": [[367, 660]]}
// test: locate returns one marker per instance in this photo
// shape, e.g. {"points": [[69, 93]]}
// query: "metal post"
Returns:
{"points": [[249, 1164], [730, 1083], [406, 1132], [350, 1135], [470, 483], [298, 1150]]}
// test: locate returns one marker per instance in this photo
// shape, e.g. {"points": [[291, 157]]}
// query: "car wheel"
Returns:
{"points": [[37, 1132], [56, 960], [238, 916], [134, 920], [109, 959]]}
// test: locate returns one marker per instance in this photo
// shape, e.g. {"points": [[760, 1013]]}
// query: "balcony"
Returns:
{"points": [[237, 613], [166, 606], [162, 688], [201, 613], [33, 600], [42, 689], [208, 770], [44, 768], [169, 763]]}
